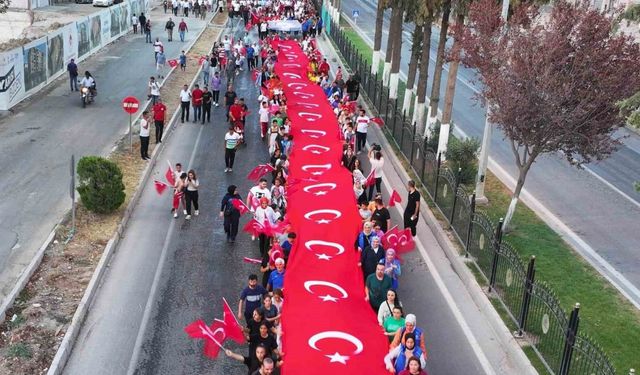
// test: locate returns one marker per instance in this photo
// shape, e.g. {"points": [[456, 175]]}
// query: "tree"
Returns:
{"points": [[4, 5], [434, 99], [430, 9], [396, 17], [553, 85], [630, 109], [394, 77], [415, 13], [100, 184], [377, 37]]}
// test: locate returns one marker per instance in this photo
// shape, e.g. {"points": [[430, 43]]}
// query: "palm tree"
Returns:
{"points": [[429, 10], [437, 73], [377, 37], [413, 14], [396, 16], [394, 78]]}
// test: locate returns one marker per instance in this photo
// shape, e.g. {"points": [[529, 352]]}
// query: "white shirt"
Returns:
{"points": [[265, 215], [87, 81], [258, 193], [192, 185], [144, 128], [227, 44], [155, 88], [185, 95], [362, 124], [134, 20], [157, 46], [376, 166], [231, 140], [264, 114]]}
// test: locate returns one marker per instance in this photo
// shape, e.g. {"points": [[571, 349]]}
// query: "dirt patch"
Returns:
{"points": [[40, 316]]}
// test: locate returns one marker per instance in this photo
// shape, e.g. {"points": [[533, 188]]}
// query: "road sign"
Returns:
{"points": [[355, 13], [130, 104]]}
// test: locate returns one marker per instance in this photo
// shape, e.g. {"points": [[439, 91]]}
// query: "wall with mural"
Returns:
{"points": [[26, 70]]}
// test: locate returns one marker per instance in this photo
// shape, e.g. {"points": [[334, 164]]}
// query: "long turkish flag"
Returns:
{"points": [[339, 333]]}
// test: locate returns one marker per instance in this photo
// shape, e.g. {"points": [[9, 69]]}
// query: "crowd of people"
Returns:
{"points": [[261, 300]]}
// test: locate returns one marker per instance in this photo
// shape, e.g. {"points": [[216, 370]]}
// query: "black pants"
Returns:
{"points": [[191, 197], [229, 157], [144, 147], [135, 29], [408, 223], [159, 129], [206, 112], [227, 111], [377, 185], [231, 224], [215, 96], [184, 106], [361, 140], [264, 244]]}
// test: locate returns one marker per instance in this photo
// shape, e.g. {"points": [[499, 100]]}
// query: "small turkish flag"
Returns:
{"points": [[233, 329], [251, 260], [395, 198], [253, 227], [371, 180], [260, 171], [171, 179], [390, 234], [378, 120], [255, 73], [405, 242], [249, 26], [240, 206], [160, 186], [213, 336], [173, 63]]}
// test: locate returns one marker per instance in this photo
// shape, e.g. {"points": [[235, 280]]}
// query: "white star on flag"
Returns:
{"points": [[337, 357], [319, 193], [328, 297], [323, 256], [323, 221]]}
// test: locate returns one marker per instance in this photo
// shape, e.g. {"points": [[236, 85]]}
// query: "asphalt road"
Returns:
{"points": [[187, 267], [599, 203], [38, 139]]}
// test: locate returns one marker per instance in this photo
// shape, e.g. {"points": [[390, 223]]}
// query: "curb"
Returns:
{"points": [[66, 346], [506, 339]]}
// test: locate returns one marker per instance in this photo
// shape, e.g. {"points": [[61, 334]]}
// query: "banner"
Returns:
{"points": [[35, 64], [83, 30], [55, 53], [11, 78], [323, 283], [95, 25]]}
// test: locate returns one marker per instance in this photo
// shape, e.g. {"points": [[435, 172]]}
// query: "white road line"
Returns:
{"points": [[610, 185], [156, 280]]}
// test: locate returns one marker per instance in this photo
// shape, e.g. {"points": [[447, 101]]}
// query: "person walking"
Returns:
{"points": [[154, 90], [229, 99], [143, 22], [144, 136], [174, 4], [206, 104], [191, 193], [377, 162], [169, 27], [230, 213], [182, 29], [362, 125], [185, 103], [161, 63], [206, 64], [231, 141], [134, 23], [159, 117], [196, 102], [183, 61], [147, 32], [157, 48], [72, 68], [216, 84], [412, 210]]}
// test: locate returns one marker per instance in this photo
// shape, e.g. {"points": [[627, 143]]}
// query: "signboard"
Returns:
{"points": [[130, 104], [355, 13]]}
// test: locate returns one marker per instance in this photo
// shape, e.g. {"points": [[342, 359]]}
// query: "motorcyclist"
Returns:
{"points": [[89, 82]]}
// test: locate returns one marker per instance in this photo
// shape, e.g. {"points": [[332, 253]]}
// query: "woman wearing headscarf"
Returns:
{"points": [[409, 327], [364, 237], [392, 267], [230, 213]]}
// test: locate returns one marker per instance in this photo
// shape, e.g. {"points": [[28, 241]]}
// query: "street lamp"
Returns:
{"points": [[483, 160]]}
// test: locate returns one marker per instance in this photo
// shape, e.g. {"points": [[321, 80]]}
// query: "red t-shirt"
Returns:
{"points": [[236, 112], [182, 26], [159, 110], [196, 97], [324, 68]]}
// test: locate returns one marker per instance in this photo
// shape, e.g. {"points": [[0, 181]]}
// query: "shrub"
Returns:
{"points": [[19, 350], [100, 184], [632, 13], [463, 154]]}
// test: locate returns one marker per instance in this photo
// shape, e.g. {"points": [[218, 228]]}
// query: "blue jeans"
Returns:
{"points": [[73, 81], [182, 36], [205, 76], [147, 37]]}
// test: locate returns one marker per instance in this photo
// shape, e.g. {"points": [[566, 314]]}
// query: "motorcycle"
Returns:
{"points": [[87, 95]]}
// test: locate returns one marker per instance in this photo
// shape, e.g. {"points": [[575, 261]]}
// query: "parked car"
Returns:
{"points": [[84, 1], [102, 3]]}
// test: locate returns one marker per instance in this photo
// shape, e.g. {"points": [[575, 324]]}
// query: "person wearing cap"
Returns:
{"points": [[376, 287], [371, 256], [276, 278], [409, 327], [402, 353]]}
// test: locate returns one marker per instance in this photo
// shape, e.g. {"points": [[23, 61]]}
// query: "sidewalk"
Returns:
{"points": [[493, 345]]}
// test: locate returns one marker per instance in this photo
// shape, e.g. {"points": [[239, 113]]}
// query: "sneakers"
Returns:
{"points": [[175, 215], [196, 213], [226, 170], [253, 238], [230, 169], [184, 212], [188, 217]]}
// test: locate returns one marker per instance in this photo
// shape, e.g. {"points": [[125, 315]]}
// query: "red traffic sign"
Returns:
{"points": [[130, 104]]}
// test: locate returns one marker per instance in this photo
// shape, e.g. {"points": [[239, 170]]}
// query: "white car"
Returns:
{"points": [[102, 3]]}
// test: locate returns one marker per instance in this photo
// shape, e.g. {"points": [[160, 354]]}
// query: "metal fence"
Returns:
{"points": [[530, 304]]}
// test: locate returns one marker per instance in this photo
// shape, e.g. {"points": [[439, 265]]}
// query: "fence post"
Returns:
{"points": [[375, 88], [402, 133], [570, 340], [424, 159], [413, 143], [526, 298], [395, 112], [435, 192], [455, 196], [496, 253], [472, 212]]}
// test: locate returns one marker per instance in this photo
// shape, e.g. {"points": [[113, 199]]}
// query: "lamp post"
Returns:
{"points": [[483, 160]]}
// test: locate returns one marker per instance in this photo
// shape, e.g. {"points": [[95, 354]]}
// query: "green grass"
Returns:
{"points": [[605, 314], [19, 350]]}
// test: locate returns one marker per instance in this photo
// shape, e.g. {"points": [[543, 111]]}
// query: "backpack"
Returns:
{"points": [[229, 209]]}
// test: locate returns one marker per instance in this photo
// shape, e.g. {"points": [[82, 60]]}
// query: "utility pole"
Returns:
{"points": [[483, 160]]}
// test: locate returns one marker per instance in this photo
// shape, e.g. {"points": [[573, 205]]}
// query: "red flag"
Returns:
{"points": [[390, 238], [371, 180], [201, 59], [160, 186], [173, 63], [170, 176], [253, 227], [251, 260], [378, 120], [395, 198], [233, 329], [249, 26], [405, 242], [255, 73], [213, 336], [240, 206], [260, 171]]}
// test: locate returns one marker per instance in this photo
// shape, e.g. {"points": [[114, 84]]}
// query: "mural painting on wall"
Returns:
{"points": [[115, 21], [35, 64], [124, 17], [55, 60], [11, 87], [96, 36], [84, 41]]}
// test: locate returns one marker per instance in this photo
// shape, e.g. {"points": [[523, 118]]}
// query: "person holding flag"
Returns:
{"points": [[266, 216], [230, 213]]}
